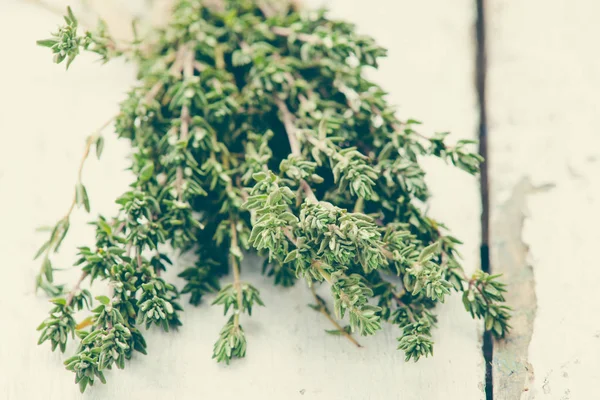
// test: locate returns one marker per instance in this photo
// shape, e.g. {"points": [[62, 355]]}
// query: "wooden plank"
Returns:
{"points": [[544, 77], [429, 72]]}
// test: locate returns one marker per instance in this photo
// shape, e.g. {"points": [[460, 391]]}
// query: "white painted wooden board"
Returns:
{"points": [[45, 114], [544, 118]]}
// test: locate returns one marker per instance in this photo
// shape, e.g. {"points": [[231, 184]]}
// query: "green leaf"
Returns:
{"points": [[99, 146], [147, 171], [63, 228], [81, 197], [428, 252], [103, 300], [41, 250], [338, 332], [148, 287], [291, 256], [59, 301], [83, 384], [47, 269], [70, 60], [71, 16], [46, 42], [259, 176]]}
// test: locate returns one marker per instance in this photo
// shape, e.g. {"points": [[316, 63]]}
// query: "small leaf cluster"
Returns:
{"points": [[59, 325], [157, 305], [351, 294], [426, 276], [483, 300], [67, 43], [232, 339], [109, 342], [416, 340], [259, 132]]}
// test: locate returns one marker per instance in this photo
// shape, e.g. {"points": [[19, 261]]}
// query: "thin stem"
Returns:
{"points": [[398, 128], [290, 129], [359, 205], [323, 310], [236, 275], [88, 145], [266, 9], [153, 92], [219, 58], [388, 254], [317, 265], [138, 256], [71, 294], [198, 66], [188, 72], [177, 66], [303, 37], [308, 191], [476, 286], [188, 61], [119, 229]]}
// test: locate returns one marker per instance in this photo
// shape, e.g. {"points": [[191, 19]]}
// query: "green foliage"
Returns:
{"points": [[259, 132], [58, 326], [231, 342], [66, 43], [157, 304], [228, 298], [110, 341], [416, 340], [351, 294], [482, 300]]}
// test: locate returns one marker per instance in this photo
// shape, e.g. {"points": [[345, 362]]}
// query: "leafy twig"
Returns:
{"points": [[80, 197], [218, 98], [290, 128], [322, 308], [286, 32], [236, 275], [76, 288]]}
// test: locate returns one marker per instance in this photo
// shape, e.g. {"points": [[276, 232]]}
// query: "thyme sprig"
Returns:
{"points": [[254, 128], [45, 277]]}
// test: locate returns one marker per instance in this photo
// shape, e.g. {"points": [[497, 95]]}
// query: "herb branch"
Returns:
{"points": [[253, 128], [321, 307], [45, 277]]}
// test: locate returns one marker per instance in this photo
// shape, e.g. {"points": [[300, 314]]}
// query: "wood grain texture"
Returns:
{"points": [[45, 116], [544, 79]]}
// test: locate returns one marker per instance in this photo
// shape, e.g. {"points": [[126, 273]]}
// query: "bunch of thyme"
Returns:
{"points": [[253, 129]]}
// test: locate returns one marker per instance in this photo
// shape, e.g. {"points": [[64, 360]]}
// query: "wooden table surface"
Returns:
{"points": [[544, 156]]}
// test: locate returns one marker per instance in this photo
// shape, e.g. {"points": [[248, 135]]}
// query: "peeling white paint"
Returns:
{"points": [[544, 79]]}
